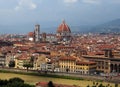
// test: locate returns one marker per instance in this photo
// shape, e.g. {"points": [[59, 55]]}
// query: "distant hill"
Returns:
{"points": [[108, 27], [81, 29], [112, 26], [74, 29]]}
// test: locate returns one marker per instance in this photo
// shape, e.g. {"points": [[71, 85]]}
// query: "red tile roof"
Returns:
{"points": [[106, 46], [24, 57], [80, 62], [45, 84], [68, 58]]}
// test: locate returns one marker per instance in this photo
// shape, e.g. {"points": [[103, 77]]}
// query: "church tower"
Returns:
{"points": [[37, 33]]}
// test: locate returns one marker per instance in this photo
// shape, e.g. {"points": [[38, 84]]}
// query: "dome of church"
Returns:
{"points": [[63, 28]]}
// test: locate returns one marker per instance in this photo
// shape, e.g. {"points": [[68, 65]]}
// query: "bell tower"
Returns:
{"points": [[37, 33]]}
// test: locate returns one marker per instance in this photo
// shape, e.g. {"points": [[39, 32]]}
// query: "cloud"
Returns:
{"points": [[26, 4], [91, 1], [70, 1]]}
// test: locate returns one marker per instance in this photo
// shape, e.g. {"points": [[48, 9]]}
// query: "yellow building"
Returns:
{"points": [[71, 65], [85, 67], [67, 64]]}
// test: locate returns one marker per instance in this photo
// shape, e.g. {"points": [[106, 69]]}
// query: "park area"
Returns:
{"points": [[30, 79]]}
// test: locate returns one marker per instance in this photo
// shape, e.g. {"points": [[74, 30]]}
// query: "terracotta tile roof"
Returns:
{"points": [[40, 44], [44, 51], [31, 34], [68, 58], [80, 62], [65, 47], [106, 46], [45, 84], [41, 84], [24, 48], [99, 53], [24, 57]]}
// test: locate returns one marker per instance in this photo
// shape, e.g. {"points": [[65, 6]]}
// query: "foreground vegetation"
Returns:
{"points": [[44, 75], [96, 84], [32, 79], [18, 82], [14, 82]]}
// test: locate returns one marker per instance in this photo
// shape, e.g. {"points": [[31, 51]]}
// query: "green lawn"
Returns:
{"points": [[34, 79]]}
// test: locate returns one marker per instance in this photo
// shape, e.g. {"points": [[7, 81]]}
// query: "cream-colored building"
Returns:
{"points": [[20, 60], [39, 61]]}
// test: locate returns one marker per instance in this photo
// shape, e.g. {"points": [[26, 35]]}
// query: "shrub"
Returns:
{"points": [[12, 80]]}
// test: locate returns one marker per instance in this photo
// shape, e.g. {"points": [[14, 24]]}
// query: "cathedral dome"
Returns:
{"points": [[63, 28]]}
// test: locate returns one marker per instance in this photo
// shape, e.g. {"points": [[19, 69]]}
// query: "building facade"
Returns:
{"points": [[2, 60], [85, 67], [67, 64], [72, 65], [105, 64]]}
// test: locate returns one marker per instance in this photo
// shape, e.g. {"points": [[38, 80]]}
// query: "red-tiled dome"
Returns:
{"points": [[63, 28], [31, 34]]}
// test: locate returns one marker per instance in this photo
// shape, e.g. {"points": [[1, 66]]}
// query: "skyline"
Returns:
{"points": [[22, 15]]}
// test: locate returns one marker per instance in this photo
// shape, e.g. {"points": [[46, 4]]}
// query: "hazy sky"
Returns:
{"points": [[50, 13]]}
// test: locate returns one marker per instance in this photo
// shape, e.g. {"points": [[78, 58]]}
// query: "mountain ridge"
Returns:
{"points": [[110, 26]]}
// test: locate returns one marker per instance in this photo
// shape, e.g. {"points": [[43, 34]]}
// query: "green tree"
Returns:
{"points": [[28, 65], [101, 85], [3, 82], [12, 80], [116, 85], [32, 60], [18, 84], [50, 84], [88, 86], [12, 63]]}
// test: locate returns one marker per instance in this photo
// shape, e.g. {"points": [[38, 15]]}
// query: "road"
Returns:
{"points": [[113, 79]]}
